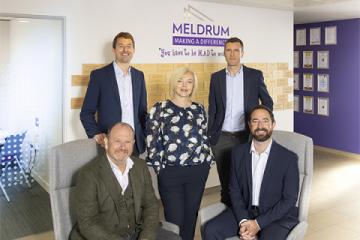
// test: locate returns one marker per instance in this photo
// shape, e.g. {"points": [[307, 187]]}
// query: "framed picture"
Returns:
{"points": [[323, 59], [296, 103], [301, 37], [315, 36], [330, 35], [307, 59], [323, 106], [308, 104], [296, 81], [308, 82], [323, 82], [296, 59]]}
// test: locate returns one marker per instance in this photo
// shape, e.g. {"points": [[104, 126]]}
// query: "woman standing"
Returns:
{"points": [[179, 151]]}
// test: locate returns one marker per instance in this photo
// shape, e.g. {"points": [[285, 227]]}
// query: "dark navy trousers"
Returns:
{"points": [[181, 189]]}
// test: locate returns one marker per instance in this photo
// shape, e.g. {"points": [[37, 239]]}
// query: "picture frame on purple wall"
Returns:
{"points": [[323, 83], [308, 104], [315, 36], [296, 103], [330, 35], [301, 37], [296, 81], [323, 59], [296, 59], [308, 59], [308, 82], [323, 106]]}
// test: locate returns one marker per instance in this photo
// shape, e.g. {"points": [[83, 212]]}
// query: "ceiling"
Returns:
{"points": [[305, 11]]}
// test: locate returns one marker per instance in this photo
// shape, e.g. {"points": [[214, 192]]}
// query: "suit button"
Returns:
{"points": [[128, 226]]}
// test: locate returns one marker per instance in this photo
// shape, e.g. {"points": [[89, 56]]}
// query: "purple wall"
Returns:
{"points": [[341, 129]]}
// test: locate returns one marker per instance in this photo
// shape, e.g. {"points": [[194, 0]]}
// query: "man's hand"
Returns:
{"points": [[249, 229], [99, 138]]}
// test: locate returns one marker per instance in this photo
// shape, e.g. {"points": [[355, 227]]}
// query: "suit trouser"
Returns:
{"points": [[225, 226], [181, 190], [222, 153]]}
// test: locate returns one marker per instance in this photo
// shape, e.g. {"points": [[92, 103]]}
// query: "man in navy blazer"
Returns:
{"points": [[116, 93], [264, 187], [234, 91]]}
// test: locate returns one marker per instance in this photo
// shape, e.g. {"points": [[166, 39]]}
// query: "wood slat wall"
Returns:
{"points": [[276, 76]]}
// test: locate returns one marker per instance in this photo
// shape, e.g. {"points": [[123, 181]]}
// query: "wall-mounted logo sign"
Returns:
{"points": [[199, 32]]}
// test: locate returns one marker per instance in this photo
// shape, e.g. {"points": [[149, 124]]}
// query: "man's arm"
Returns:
{"points": [[143, 104], [150, 208], [87, 209], [264, 95], [289, 195], [212, 106], [89, 107], [235, 185]]}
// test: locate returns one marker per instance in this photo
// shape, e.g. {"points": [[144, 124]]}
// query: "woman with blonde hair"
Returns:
{"points": [[179, 151]]}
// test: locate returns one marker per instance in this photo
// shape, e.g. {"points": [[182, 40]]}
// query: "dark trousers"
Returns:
{"points": [[161, 235], [225, 226], [181, 190], [222, 154]]}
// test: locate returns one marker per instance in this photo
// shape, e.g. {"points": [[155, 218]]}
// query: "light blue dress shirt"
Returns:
{"points": [[234, 111], [125, 91]]}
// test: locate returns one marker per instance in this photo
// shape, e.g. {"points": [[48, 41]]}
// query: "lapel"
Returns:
{"points": [[113, 83], [135, 89], [134, 177], [246, 85], [222, 84], [110, 181], [270, 167], [248, 169]]}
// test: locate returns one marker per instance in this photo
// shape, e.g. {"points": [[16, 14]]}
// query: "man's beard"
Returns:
{"points": [[262, 137]]}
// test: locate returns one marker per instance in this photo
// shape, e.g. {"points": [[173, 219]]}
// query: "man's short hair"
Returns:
{"points": [[125, 35], [263, 107], [234, 40], [121, 124]]}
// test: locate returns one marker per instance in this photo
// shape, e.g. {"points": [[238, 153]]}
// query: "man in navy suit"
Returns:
{"points": [[234, 91], [264, 187], [116, 93]]}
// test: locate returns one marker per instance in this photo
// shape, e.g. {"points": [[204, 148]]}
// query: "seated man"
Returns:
{"points": [[114, 197], [264, 187]]}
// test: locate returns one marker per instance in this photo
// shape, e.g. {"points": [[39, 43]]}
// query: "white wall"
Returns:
{"points": [[91, 25]]}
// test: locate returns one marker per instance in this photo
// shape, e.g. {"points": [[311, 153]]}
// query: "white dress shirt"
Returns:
{"points": [[234, 111], [122, 178], [258, 165], [124, 84]]}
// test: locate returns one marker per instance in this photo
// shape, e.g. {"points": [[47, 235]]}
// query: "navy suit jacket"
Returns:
{"points": [[102, 97], [279, 188], [254, 89]]}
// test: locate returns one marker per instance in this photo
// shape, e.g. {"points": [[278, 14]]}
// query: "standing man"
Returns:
{"points": [[234, 91], [264, 187], [116, 93], [114, 197]]}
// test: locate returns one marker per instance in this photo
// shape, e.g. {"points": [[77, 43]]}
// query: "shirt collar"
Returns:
{"points": [[118, 70], [239, 72], [267, 150], [129, 164]]}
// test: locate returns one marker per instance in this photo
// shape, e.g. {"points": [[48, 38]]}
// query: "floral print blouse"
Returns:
{"points": [[176, 136]]}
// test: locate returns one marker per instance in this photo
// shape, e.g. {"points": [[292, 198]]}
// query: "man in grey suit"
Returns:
{"points": [[114, 197], [234, 91]]}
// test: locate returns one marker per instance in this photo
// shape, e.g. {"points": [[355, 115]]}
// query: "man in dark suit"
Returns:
{"points": [[264, 187], [114, 197], [116, 93], [234, 91]]}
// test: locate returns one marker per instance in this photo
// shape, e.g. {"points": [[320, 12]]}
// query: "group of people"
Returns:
{"points": [[114, 198]]}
